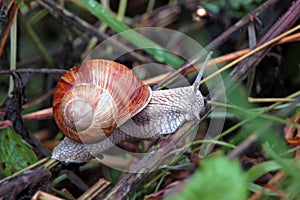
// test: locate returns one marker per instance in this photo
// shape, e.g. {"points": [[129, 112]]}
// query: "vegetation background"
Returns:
{"points": [[257, 154]]}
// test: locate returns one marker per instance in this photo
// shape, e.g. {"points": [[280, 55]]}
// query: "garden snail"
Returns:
{"points": [[94, 101]]}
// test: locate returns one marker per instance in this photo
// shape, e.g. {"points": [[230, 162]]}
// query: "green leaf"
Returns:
{"points": [[261, 169], [15, 154], [218, 178], [115, 175]]}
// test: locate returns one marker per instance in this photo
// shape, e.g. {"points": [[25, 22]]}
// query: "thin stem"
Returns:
{"points": [[251, 53], [150, 6], [219, 60], [219, 40], [253, 114], [238, 125], [121, 10], [269, 100], [41, 71], [13, 51]]}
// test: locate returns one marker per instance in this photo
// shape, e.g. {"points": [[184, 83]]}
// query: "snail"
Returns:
{"points": [[101, 103]]}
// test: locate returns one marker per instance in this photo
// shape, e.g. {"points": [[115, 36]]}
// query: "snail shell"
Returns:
{"points": [[94, 98]]}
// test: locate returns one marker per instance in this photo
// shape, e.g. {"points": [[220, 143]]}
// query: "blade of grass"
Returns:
{"points": [[159, 53], [262, 168], [259, 110], [217, 142], [251, 114], [288, 165], [257, 188], [268, 100], [121, 10], [276, 39]]}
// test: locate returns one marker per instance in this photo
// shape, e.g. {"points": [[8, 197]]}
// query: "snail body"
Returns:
{"points": [[119, 109]]}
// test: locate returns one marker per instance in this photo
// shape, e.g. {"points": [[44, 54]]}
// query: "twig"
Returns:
{"points": [[238, 25], [38, 115], [39, 163], [219, 60], [166, 148], [218, 41], [243, 146], [283, 24], [269, 100], [272, 185], [257, 49], [95, 190], [28, 105], [25, 182], [74, 179], [39, 100], [35, 71]]}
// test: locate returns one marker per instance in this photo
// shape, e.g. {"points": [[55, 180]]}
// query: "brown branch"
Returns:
{"points": [[219, 60], [24, 183], [33, 103], [283, 24], [39, 100], [35, 71], [38, 115], [219, 40], [167, 148]]}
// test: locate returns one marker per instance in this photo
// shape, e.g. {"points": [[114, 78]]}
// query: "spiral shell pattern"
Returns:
{"points": [[94, 98]]}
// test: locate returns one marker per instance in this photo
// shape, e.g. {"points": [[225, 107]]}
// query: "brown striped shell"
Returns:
{"points": [[94, 98]]}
